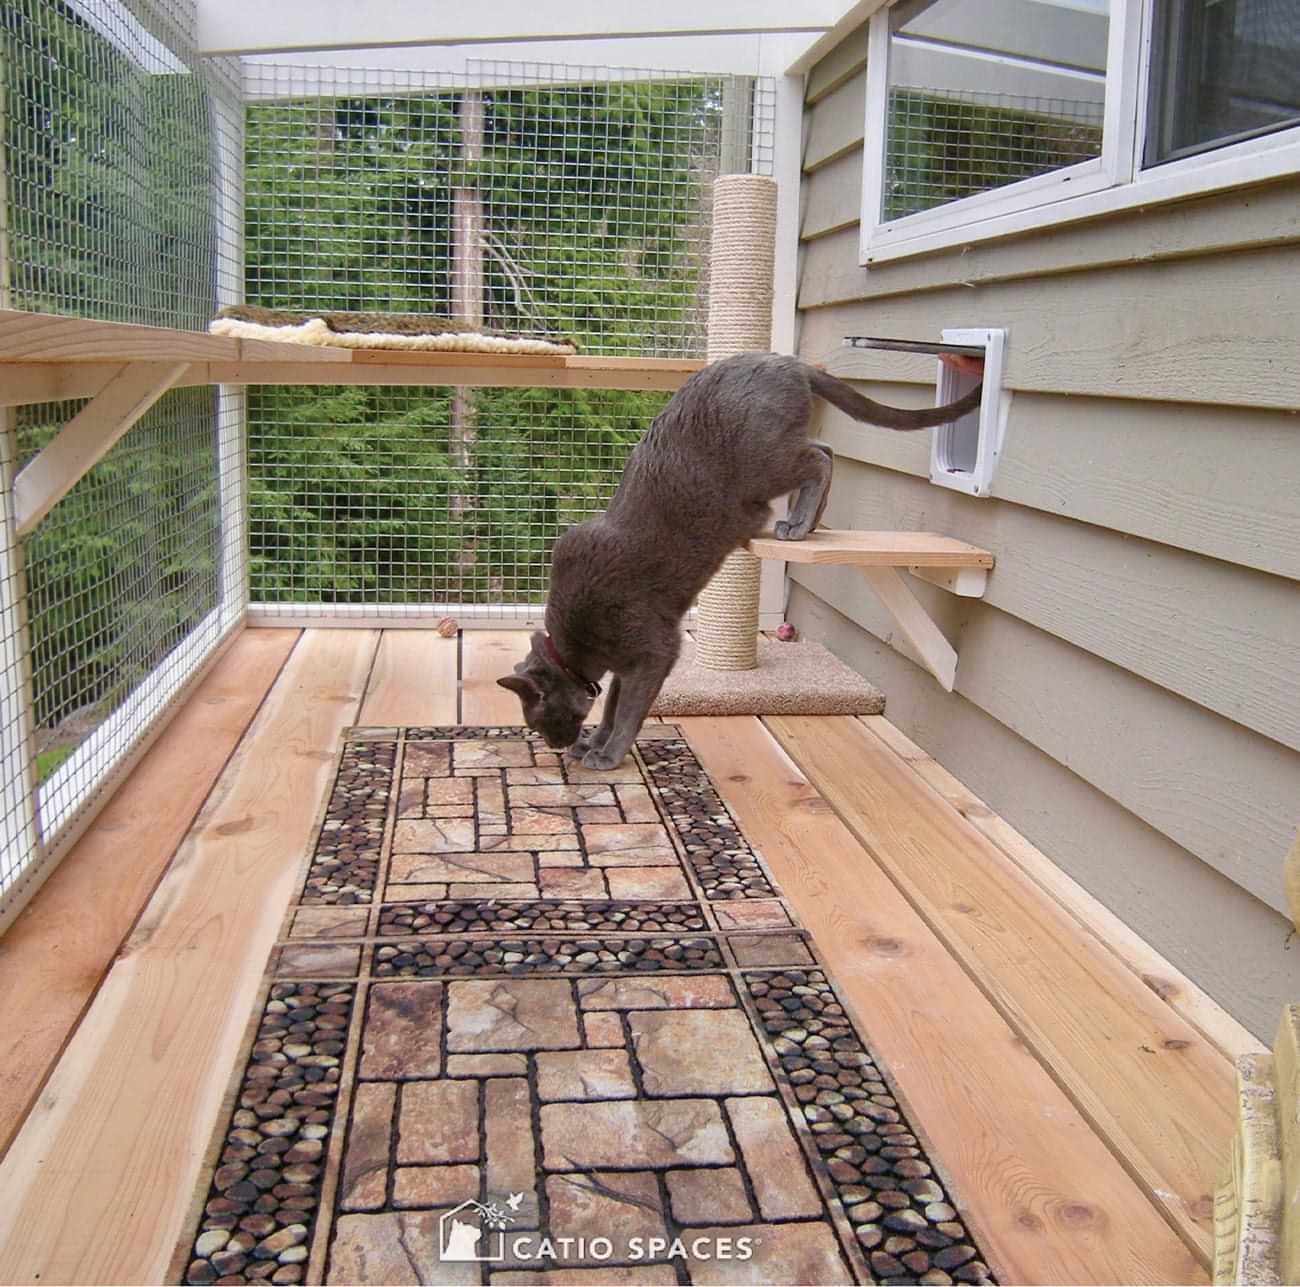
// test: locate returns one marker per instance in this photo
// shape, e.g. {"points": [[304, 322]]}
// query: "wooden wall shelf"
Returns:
{"points": [[950, 564]]}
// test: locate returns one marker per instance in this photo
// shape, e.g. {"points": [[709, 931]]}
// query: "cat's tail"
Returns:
{"points": [[848, 399]]}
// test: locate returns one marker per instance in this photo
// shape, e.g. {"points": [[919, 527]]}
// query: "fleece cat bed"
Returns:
{"points": [[790, 679], [408, 332]]}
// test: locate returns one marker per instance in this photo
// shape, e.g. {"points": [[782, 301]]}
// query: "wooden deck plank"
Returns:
{"points": [[58, 947], [414, 680], [98, 1181], [1166, 982], [1153, 1087], [1043, 1194], [486, 655]]}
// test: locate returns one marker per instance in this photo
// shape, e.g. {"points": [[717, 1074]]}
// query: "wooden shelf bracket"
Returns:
{"points": [[88, 436], [953, 565]]}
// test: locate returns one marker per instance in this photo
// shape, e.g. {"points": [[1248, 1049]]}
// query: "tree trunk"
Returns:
{"points": [[466, 301]]}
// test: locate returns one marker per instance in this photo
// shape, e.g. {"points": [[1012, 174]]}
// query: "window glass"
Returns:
{"points": [[1221, 70], [983, 95]]}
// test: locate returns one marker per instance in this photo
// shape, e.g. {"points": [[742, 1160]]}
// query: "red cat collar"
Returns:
{"points": [[593, 688]]}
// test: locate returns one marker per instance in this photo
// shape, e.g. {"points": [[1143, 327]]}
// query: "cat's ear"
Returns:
{"points": [[522, 685]]}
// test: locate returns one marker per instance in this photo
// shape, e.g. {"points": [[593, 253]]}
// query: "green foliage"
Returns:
{"points": [[109, 175], [126, 564], [592, 200], [48, 761], [107, 213], [591, 208]]}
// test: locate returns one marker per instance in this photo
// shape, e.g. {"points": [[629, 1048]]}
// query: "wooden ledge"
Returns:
{"points": [[48, 337], [952, 565], [874, 549]]}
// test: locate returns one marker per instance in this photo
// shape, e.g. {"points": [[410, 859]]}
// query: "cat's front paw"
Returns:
{"points": [[601, 759], [786, 531], [579, 749]]}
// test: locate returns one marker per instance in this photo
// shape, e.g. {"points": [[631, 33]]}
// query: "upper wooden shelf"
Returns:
{"points": [[40, 340], [874, 549], [46, 337]]}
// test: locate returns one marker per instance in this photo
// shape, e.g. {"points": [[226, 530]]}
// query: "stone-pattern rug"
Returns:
{"points": [[530, 1023]]}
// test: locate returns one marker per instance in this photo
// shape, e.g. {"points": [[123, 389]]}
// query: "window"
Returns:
{"points": [[989, 117], [1221, 70], [979, 99]]}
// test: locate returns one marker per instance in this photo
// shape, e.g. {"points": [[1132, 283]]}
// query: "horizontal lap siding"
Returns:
{"points": [[1136, 655], [1231, 944]]}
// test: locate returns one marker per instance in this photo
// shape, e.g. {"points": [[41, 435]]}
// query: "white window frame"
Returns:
{"points": [[1113, 182]]}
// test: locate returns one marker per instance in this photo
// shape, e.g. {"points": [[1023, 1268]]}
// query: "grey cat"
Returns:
{"points": [[697, 486]]}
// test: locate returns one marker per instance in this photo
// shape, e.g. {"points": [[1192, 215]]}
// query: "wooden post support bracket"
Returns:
{"points": [[953, 565], [88, 436]]}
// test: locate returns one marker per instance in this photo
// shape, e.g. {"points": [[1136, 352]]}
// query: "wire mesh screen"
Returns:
{"points": [[377, 496], [120, 157], [123, 586], [567, 201], [941, 145], [534, 199], [108, 161]]}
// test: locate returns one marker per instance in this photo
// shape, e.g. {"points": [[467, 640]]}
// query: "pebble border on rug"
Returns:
{"points": [[569, 1008]]}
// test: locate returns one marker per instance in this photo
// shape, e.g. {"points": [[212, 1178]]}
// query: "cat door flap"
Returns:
{"points": [[964, 453]]}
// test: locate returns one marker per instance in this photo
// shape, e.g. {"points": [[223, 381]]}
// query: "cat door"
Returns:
{"points": [[964, 452]]}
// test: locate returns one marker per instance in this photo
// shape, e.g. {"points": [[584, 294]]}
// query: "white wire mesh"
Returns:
{"points": [[120, 154], [942, 145], [357, 496], [976, 103], [123, 585], [537, 198]]}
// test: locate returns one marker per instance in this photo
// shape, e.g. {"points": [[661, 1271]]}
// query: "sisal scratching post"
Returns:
{"points": [[742, 263]]}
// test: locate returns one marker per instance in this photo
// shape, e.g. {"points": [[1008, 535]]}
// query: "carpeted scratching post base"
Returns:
{"points": [[789, 679]]}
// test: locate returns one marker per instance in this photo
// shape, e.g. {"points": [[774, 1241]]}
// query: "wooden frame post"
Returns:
{"points": [[20, 837]]}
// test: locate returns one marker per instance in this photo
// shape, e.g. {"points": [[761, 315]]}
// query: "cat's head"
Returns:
{"points": [[554, 704]]}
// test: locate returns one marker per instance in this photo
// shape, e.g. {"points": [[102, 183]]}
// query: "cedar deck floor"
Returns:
{"points": [[1072, 1092]]}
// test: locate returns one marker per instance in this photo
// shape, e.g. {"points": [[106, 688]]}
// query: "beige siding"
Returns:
{"points": [[1128, 692], [1233, 945]]}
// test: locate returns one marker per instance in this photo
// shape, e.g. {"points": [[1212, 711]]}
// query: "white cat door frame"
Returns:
{"points": [[964, 453]]}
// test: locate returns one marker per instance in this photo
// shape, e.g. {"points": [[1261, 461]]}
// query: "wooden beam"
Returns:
{"points": [[1041, 1192], [499, 371], [50, 337], [247, 27], [1291, 878], [1286, 1077], [1248, 1204], [117, 1136], [22, 383], [88, 436], [968, 583], [57, 947], [937, 654], [1158, 1092]]}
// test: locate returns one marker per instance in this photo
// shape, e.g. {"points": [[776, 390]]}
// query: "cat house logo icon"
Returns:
{"points": [[476, 1230]]}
